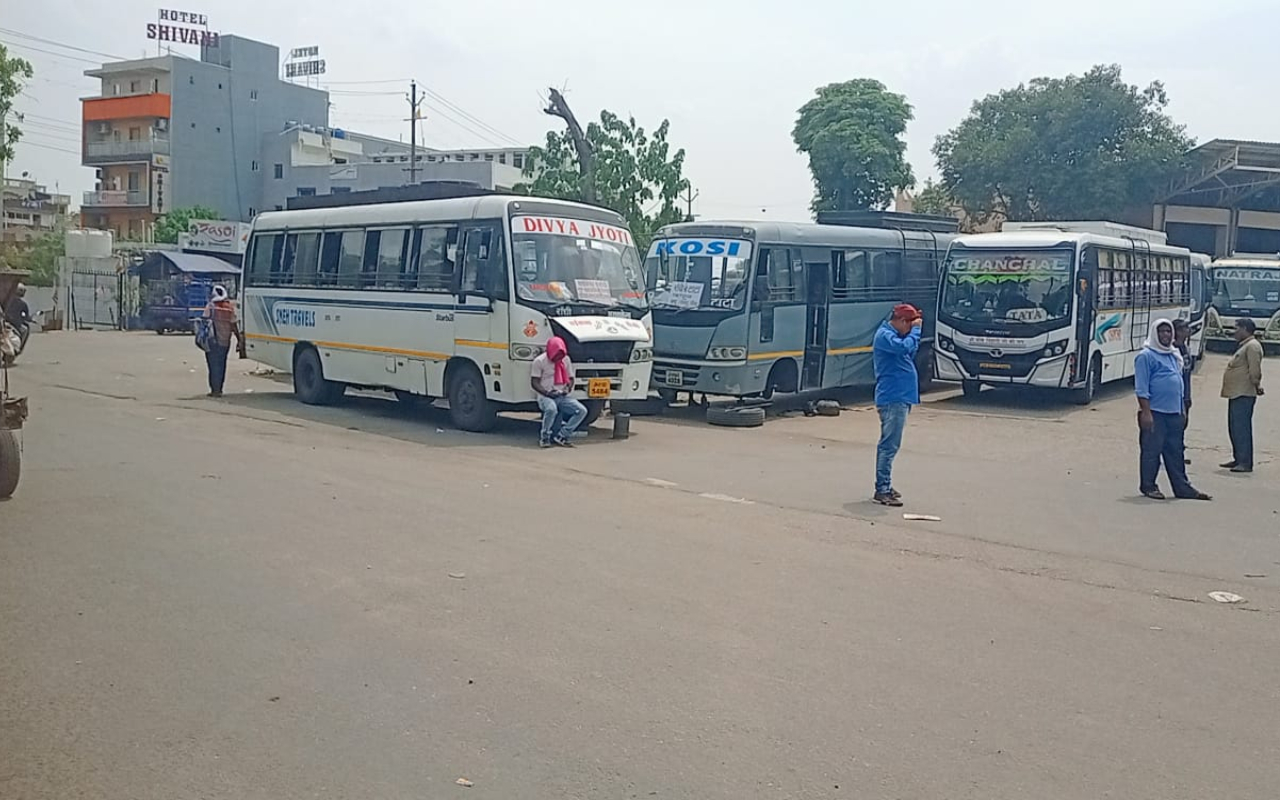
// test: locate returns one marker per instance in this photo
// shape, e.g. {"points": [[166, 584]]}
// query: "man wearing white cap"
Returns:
{"points": [[222, 315]]}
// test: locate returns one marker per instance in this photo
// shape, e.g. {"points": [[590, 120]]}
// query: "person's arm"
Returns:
{"points": [[1142, 388], [535, 379], [902, 345], [1253, 359]]}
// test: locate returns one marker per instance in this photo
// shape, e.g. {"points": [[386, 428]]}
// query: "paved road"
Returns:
{"points": [[255, 599]]}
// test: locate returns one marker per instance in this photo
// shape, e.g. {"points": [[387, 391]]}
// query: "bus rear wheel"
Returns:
{"points": [[469, 407], [309, 383]]}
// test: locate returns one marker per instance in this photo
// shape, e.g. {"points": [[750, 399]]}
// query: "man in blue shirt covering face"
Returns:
{"points": [[897, 390], [1160, 388]]}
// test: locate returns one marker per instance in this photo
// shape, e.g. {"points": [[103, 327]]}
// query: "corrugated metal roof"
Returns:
{"points": [[195, 264]]}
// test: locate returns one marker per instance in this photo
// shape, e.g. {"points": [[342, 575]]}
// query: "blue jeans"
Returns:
{"points": [[554, 410], [216, 359], [1164, 442], [893, 419]]}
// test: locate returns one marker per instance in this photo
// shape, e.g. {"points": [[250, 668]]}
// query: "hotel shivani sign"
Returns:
{"points": [[182, 27]]}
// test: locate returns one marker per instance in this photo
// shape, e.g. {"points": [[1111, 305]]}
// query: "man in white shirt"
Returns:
{"points": [[552, 378]]}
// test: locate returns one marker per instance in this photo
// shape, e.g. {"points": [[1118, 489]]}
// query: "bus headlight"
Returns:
{"points": [[727, 354], [946, 344], [641, 354], [1055, 349], [525, 352]]}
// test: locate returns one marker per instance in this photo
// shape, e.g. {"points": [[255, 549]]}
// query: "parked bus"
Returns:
{"points": [[1244, 286], [1201, 294], [746, 309], [449, 298], [1060, 305]]}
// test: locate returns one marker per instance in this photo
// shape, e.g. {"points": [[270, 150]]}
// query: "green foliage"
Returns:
{"points": [[852, 133], [14, 73], [39, 257], [179, 220], [1079, 147], [934, 199], [635, 173]]}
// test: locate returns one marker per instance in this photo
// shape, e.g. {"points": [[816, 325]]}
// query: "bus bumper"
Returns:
{"points": [[733, 378], [1051, 373]]}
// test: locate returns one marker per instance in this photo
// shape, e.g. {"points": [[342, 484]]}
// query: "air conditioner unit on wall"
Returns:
{"points": [[162, 124]]}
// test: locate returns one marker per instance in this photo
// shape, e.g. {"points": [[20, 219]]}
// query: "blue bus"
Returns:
{"points": [[747, 309]]}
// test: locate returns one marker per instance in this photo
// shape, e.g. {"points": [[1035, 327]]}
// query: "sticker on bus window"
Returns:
{"points": [[1273, 297], [596, 291], [684, 294]]}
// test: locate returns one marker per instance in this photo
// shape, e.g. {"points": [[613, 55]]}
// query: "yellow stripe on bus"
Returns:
{"points": [[473, 343], [365, 348], [844, 351], [779, 354]]}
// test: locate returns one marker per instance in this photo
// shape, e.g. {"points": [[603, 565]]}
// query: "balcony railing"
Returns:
{"points": [[115, 199], [109, 151]]}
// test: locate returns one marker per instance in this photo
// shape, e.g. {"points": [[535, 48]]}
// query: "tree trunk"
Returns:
{"points": [[586, 158]]}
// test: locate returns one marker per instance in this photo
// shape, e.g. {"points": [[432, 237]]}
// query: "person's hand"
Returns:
{"points": [[1146, 421], [918, 324], [1261, 391]]}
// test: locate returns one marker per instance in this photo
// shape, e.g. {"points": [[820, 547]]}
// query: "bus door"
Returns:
{"points": [[1093, 286], [817, 303]]}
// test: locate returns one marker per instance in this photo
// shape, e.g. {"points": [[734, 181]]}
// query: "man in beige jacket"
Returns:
{"points": [[1242, 386]]}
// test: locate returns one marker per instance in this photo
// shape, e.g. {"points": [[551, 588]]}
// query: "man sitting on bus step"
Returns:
{"points": [[552, 378], [1158, 384], [897, 389]]}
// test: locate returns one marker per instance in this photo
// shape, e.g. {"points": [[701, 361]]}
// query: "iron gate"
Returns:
{"points": [[97, 299]]}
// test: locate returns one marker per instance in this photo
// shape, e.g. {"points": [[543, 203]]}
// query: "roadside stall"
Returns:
{"points": [[174, 288]]}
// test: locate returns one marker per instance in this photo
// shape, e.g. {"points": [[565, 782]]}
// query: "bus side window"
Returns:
{"points": [[330, 255], [920, 270], [782, 275], [351, 259], [263, 267], [369, 264], [306, 254], [483, 271], [436, 259], [391, 257], [886, 270]]}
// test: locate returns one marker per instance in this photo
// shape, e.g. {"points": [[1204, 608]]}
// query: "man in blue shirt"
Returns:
{"points": [[897, 390], [1157, 378]]}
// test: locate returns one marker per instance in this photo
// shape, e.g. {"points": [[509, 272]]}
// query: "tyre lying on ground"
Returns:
{"points": [[736, 416], [10, 464]]}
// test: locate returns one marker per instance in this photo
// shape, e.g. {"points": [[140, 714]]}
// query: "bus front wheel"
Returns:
{"points": [[309, 383], [971, 388], [1085, 394], [594, 409], [469, 407]]}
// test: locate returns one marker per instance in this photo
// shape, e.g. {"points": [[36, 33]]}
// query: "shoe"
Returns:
{"points": [[1196, 496], [896, 494], [215, 394], [887, 499], [1154, 494], [1228, 465], [544, 443], [1241, 468], [563, 443]]}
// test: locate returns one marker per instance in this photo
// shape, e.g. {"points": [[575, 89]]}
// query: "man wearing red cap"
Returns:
{"points": [[897, 390]]}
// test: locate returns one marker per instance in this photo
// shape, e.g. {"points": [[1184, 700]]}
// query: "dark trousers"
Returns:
{"points": [[216, 358], [1164, 440], [1240, 427]]}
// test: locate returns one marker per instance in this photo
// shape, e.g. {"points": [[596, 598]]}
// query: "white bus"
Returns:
{"points": [[1244, 286], [449, 298], [1057, 305]]}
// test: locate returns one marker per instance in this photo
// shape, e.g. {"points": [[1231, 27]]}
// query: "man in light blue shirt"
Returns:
{"points": [[894, 351], [1157, 380]]}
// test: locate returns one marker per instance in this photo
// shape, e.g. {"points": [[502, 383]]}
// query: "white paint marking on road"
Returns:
{"points": [[1226, 597], [726, 498], [660, 483]]}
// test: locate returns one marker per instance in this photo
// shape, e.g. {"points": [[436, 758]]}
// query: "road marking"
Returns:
{"points": [[660, 483], [726, 498]]}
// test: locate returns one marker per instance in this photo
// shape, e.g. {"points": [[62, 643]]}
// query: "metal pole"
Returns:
{"points": [[413, 133]]}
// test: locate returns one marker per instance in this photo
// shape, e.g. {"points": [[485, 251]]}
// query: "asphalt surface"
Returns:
{"points": [[250, 598]]}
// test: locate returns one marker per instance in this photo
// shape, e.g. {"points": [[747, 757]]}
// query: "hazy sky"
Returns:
{"points": [[729, 76]]}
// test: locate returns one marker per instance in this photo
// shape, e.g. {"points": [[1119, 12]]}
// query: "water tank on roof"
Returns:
{"points": [[88, 244], [339, 133]]}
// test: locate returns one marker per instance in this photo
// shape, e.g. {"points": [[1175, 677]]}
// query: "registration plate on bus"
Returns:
{"points": [[994, 365], [597, 388], [675, 377]]}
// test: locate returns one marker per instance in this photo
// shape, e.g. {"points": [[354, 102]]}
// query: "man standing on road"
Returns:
{"points": [[1242, 386], [1158, 382], [222, 314], [552, 378], [897, 390], [1181, 340]]}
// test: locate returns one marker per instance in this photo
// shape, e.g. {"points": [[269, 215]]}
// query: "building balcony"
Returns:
{"points": [[137, 106], [139, 149], [116, 199]]}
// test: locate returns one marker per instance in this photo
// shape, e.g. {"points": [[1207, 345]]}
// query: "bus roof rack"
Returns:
{"points": [[891, 220], [428, 190], [1098, 227]]}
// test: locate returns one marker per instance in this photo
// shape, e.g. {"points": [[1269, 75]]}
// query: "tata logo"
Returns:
{"points": [[997, 354], [698, 247]]}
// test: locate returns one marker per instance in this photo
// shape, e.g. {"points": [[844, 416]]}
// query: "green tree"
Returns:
{"points": [[934, 199], [852, 134], [14, 73], [178, 220], [628, 169], [1079, 147], [40, 258]]}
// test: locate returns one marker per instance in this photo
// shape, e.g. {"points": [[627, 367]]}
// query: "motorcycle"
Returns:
{"points": [[13, 340]]}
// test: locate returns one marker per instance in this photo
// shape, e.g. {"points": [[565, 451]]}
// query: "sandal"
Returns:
{"points": [[1154, 494]]}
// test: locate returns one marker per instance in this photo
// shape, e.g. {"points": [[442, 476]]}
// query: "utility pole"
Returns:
{"points": [[413, 132], [689, 196], [4, 166]]}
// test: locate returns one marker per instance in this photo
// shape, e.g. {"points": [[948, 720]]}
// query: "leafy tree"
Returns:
{"points": [[179, 220], [934, 199], [1079, 147], [14, 72], [40, 257], [852, 133], [626, 168]]}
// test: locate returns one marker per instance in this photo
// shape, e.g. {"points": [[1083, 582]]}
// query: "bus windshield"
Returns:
{"points": [[1007, 286], [1235, 287], [700, 273], [576, 261]]}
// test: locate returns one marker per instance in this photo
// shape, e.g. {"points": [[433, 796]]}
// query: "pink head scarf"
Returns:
{"points": [[556, 351]]}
